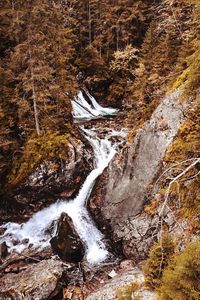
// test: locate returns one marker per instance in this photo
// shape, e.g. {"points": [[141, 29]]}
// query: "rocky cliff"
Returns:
{"points": [[131, 173]]}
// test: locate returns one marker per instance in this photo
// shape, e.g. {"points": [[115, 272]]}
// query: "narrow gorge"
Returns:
{"points": [[99, 150]]}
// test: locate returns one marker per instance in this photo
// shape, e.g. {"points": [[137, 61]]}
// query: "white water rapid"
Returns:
{"points": [[35, 231]]}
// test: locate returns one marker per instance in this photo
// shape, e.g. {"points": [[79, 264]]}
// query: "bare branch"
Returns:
{"points": [[197, 160]]}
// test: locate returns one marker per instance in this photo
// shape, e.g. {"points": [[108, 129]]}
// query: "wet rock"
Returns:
{"points": [[3, 250], [2, 230], [38, 281], [67, 243]]}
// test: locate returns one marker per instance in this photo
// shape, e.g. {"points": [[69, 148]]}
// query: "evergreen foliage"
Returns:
{"points": [[189, 57], [181, 278], [39, 67], [184, 148], [159, 258], [127, 51], [37, 76], [122, 69], [122, 50]]}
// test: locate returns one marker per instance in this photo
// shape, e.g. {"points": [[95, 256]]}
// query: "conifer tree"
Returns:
{"points": [[181, 278], [159, 257], [40, 67]]}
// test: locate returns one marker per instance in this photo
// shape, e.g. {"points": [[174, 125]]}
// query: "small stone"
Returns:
{"points": [[15, 242], [25, 241], [112, 274], [73, 293]]}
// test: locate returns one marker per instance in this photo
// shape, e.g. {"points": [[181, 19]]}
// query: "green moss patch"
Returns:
{"points": [[51, 146]]}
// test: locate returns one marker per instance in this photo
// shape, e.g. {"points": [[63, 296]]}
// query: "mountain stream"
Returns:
{"points": [[35, 232]]}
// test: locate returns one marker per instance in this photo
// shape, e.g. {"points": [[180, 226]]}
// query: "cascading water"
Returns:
{"points": [[34, 232], [83, 110]]}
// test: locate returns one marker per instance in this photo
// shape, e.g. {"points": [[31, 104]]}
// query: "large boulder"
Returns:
{"points": [[67, 243], [39, 281]]}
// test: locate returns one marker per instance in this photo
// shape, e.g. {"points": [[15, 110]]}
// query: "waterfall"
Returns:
{"points": [[83, 110], [35, 231]]}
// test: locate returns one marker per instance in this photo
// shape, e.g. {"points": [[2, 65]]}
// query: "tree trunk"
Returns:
{"points": [[35, 111], [89, 22], [37, 126]]}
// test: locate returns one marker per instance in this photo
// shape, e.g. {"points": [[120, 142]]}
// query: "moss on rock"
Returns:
{"points": [[51, 146]]}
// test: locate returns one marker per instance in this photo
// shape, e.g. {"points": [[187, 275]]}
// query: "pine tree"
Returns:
{"points": [[159, 257], [181, 278], [9, 134], [140, 88], [40, 67]]}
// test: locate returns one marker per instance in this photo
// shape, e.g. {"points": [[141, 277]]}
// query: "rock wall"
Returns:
{"points": [[130, 174]]}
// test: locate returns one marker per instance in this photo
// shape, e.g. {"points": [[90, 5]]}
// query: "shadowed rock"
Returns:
{"points": [[67, 243], [3, 250]]}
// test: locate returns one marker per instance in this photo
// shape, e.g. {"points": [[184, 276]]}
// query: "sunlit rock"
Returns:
{"points": [[38, 281]]}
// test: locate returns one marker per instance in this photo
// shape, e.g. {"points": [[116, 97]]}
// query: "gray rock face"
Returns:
{"points": [[133, 170], [37, 282]]}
